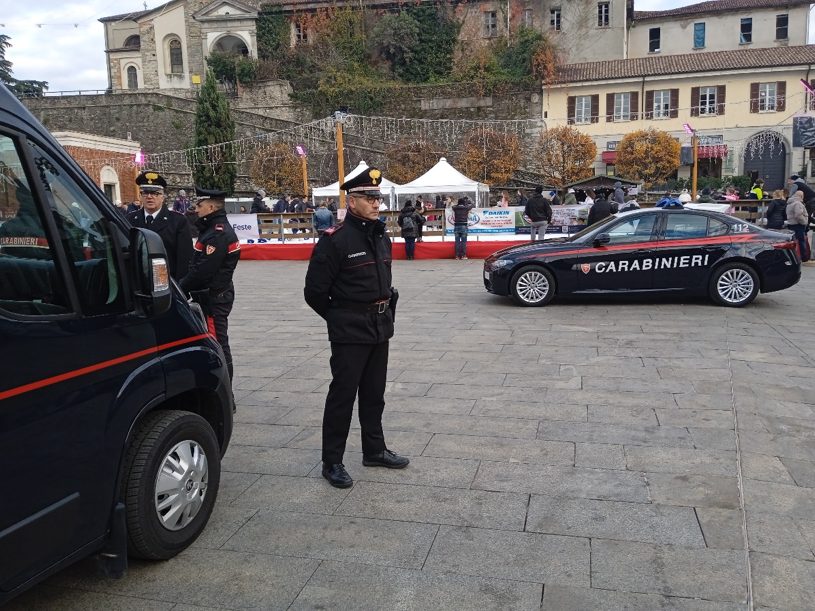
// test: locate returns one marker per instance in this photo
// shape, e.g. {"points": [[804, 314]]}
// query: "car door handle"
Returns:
{"points": [[711, 248]]}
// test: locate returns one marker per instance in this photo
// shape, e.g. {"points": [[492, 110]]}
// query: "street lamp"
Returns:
{"points": [[694, 140]]}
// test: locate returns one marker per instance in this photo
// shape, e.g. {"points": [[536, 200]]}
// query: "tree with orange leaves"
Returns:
{"points": [[277, 169], [409, 159], [565, 155], [489, 156], [649, 155]]}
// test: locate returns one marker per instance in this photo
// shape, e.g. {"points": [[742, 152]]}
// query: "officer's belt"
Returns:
{"points": [[380, 307]]}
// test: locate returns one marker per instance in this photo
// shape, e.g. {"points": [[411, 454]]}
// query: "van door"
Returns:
{"points": [[68, 340]]}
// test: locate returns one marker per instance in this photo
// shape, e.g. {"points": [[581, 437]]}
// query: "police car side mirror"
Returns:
{"points": [[601, 238], [150, 272]]}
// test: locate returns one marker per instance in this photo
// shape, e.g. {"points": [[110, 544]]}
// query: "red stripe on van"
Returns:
{"points": [[68, 375]]}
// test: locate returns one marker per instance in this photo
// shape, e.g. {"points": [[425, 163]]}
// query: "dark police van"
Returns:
{"points": [[115, 403]]}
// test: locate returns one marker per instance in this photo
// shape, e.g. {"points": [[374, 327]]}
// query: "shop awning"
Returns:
{"points": [[609, 157]]}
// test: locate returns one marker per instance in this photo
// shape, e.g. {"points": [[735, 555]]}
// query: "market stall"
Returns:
{"points": [[387, 187], [444, 179]]}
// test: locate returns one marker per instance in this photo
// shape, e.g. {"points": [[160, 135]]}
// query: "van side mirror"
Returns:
{"points": [[601, 238], [150, 272]]}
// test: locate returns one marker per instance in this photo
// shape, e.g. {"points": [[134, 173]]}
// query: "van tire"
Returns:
{"points": [[169, 437]]}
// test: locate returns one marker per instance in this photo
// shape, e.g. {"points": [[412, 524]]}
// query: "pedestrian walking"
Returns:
{"points": [[209, 280], [172, 227], [410, 221], [798, 221], [348, 283], [461, 213], [538, 212]]}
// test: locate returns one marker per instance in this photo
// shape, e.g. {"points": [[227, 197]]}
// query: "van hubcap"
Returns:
{"points": [[181, 485]]}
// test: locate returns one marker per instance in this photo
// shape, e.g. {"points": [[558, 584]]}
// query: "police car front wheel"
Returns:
{"points": [[173, 470], [532, 286], [734, 285]]}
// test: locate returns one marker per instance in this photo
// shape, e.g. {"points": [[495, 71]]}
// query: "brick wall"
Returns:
{"points": [[93, 160]]}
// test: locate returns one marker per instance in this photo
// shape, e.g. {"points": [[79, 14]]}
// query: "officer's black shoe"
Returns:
{"points": [[385, 459], [337, 476]]}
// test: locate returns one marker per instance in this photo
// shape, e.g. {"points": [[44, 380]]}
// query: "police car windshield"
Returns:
{"points": [[592, 228]]}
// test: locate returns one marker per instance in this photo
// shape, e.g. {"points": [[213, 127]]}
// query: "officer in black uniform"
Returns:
{"points": [[216, 254], [172, 227], [348, 283]]}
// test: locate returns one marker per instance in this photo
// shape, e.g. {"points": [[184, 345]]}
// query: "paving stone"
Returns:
{"points": [[381, 542], [613, 520], [635, 385], [283, 399], [50, 597], [618, 414], [430, 405], [568, 598], [270, 435], [531, 383], [532, 411], [598, 397], [223, 523], [802, 471], [670, 570], [510, 555], [562, 481], [722, 527], [766, 468], [233, 484], [680, 460], [807, 528], [777, 535], [272, 461], [462, 425], [435, 505], [780, 499], [713, 439], [631, 434], [282, 493], [782, 446], [205, 577], [410, 443], [501, 449], [337, 585], [783, 583], [697, 373], [718, 401], [784, 425], [599, 456], [701, 418], [258, 414], [693, 490]]}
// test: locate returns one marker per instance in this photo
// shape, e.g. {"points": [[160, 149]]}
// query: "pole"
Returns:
{"points": [[695, 143], [340, 163], [305, 175]]}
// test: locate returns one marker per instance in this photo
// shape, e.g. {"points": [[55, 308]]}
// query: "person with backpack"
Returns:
{"points": [[410, 221]]}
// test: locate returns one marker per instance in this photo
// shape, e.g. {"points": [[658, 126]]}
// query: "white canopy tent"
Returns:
{"points": [[444, 179], [387, 187]]}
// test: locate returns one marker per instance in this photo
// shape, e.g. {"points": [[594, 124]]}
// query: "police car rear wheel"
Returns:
{"points": [[172, 477], [533, 286], [734, 285]]}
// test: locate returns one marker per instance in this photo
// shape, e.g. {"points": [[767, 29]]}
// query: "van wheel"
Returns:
{"points": [[734, 285], [532, 286], [173, 470]]}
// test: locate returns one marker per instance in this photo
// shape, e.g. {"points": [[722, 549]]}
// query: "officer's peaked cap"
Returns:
{"points": [[210, 193], [150, 180], [365, 183]]}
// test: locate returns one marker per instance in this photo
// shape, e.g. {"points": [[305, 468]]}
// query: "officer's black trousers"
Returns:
{"points": [[219, 323], [356, 369]]}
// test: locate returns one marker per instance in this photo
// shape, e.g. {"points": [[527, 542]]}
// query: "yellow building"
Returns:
{"points": [[741, 103]]}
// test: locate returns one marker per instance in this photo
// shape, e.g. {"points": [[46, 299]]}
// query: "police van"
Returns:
{"points": [[115, 403]]}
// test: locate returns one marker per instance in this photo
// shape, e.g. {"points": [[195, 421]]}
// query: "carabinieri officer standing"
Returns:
{"points": [[348, 283]]}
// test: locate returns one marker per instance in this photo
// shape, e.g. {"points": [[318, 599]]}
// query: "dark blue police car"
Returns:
{"points": [[648, 251], [115, 402]]}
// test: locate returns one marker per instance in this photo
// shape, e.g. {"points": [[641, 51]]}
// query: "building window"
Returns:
{"points": [[767, 97], [132, 78], [528, 19], [133, 42], [582, 109], [662, 104], [554, 18], [707, 100], [653, 40], [176, 58], [698, 35], [746, 30], [782, 27], [490, 24], [300, 33], [603, 14], [622, 106]]}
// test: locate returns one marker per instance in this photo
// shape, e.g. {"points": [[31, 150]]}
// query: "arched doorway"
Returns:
{"points": [[231, 45], [765, 156]]}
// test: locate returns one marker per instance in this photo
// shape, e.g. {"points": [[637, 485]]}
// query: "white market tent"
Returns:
{"points": [[333, 190], [443, 179]]}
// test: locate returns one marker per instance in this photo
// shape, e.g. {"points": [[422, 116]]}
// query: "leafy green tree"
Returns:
{"points": [[27, 88], [432, 56], [394, 38], [5, 65], [215, 166], [273, 33], [232, 68]]}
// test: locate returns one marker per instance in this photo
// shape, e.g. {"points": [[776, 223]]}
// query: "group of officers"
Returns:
{"points": [[348, 283]]}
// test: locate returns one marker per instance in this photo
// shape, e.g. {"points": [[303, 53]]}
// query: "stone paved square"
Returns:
{"points": [[587, 455]]}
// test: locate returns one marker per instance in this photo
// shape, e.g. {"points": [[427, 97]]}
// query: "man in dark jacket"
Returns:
{"points": [[173, 228], [209, 280], [600, 210], [348, 284], [461, 213], [258, 205], [539, 212]]}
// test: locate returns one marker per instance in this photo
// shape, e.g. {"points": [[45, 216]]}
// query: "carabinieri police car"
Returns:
{"points": [[649, 251]]}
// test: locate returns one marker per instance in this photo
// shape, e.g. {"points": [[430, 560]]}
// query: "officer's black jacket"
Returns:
{"points": [[349, 267], [216, 255], [174, 230]]}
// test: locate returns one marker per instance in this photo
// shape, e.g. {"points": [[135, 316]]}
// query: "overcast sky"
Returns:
{"points": [[62, 41]]}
